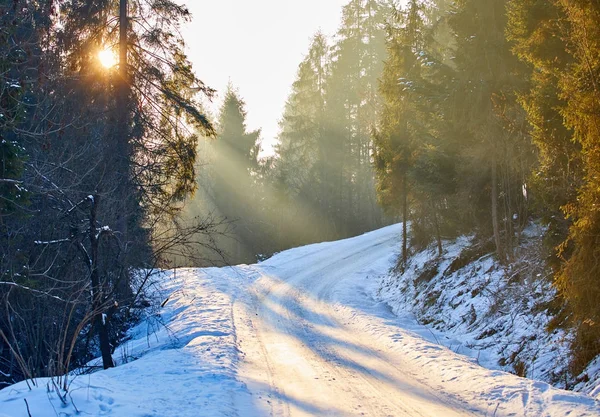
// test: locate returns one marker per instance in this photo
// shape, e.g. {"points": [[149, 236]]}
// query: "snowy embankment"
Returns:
{"points": [[179, 363], [300, 334], [497, 315]]}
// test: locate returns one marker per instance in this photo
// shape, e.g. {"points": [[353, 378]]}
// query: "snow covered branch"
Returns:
{"points": [[23, 287], [51, 242], [10, 181]]}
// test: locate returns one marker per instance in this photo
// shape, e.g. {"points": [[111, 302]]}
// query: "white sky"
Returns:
{"points": [[258, 45]]}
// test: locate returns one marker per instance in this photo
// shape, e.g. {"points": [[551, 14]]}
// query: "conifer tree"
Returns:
{"points": [[233, 168], [396, 140], [302, 170], [13, 83], [324, 168], [486, 115], [580, 85], [560, 39], [352, 106], [101, 168], [301, 137], [534, 30]]}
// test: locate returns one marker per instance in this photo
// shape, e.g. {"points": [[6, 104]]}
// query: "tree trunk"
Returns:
{"points": [[438, 233], [121, 154], [495, 225], [101, 320], [123, 24], [123, 82], [404, 221], [122, 132]]}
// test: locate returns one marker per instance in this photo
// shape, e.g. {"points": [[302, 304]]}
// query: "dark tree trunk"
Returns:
{"points": [[101, 319], [404, 221], [121, 138], [495, 225], [438, 233], [120, 152]]}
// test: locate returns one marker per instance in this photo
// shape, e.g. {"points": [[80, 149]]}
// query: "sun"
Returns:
{"points": [[107, 58]]}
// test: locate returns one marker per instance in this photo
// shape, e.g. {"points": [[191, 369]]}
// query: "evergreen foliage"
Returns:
{"points": [[323, 171], [559, 40], [92, 159], [233, 168], [400, 133], [489, 120]]}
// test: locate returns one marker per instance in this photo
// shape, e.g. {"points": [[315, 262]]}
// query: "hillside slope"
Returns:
{"points": [[496, 314]]}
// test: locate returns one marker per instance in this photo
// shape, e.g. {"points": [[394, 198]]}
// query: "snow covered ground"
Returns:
{"points": [[300, 334], [494, 313]]}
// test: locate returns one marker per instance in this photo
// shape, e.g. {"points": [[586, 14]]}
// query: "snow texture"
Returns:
{"points": [[300, 334], [498, 315]]}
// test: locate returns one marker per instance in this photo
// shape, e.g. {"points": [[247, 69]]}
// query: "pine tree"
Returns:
{"points": [[396, 140], [301, 170], [534, 30], [234, 165], [144, 108], [580, 87], [559, 39], [352, 106], [324, 166], [102, 167], [302, 124], [12, 92], [565, 45], [486, 115]]}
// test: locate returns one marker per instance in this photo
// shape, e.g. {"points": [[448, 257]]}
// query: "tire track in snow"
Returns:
{"points": [[315, 364], [259, 379]]}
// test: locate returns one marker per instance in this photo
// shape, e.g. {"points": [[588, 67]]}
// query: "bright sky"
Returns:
{"points": [[258, 45]]}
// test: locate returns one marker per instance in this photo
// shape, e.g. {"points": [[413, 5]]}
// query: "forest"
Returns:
{"points": [[454, 117]]}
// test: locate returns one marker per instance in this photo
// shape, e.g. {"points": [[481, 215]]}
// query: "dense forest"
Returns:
{"points": [[93, 160], [456, 117], [320, 184], [459, 117]]}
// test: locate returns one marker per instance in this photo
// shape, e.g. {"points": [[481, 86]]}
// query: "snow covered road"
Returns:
{"points": [[308, 358], [317, 343], [300, 334]]}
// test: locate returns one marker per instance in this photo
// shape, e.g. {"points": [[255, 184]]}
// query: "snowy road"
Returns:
{"points": [[315, 342], [308, 359], [300, 334]]}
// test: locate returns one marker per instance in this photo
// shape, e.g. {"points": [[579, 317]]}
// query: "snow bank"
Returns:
{"points": [[179, 363], [494, 314]]}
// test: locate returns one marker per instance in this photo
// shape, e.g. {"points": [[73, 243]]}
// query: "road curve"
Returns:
{"points": [[301, 357]]}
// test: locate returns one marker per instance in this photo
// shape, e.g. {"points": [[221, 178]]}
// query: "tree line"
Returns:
{"points": [[93, 160], [320, 183], [457, 117], [490, 121]]}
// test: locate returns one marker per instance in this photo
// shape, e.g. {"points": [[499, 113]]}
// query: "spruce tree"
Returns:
{"points": [[352, 108], [561, 40], [301, 177], [580, 85], [301, 137], [484, 108], [235, 162], [397, 136], [101, 167], [534, 30], [13, 87]]}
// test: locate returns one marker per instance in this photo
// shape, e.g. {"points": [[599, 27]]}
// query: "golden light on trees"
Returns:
{"points": [[107, 58]]}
